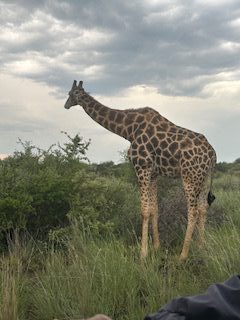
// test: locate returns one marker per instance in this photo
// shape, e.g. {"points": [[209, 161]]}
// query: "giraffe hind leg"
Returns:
{"points": [[202, 215], [192, 219], [154, 212], [204, 201], [191, 193], [144, 179]]}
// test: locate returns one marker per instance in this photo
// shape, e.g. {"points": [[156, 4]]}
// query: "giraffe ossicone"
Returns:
{"points": [[158, 147]]}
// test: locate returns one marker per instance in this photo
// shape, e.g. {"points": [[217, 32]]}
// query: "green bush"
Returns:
{"points": [[104, 204], [35, 186]]}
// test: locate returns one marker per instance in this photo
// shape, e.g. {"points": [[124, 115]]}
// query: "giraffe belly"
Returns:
{"points": [[168, 167]]}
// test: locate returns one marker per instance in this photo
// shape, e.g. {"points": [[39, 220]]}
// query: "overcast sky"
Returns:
{"points": [[180, 57]]}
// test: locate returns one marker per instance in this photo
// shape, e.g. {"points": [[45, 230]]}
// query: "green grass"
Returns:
{"points": [[107, 277], [87, 275], [223, 251], [14, 282]]}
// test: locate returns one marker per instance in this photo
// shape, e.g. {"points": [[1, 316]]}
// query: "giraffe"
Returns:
{"points": [[158, 147]]}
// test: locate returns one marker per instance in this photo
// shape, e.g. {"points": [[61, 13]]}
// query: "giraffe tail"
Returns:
{"points": [[211, 198]]}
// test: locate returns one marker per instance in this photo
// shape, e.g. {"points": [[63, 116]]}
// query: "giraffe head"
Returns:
{"points": [[74, 95]]}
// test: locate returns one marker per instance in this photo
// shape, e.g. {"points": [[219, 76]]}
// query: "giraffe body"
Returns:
{"points": [[159, 147]]}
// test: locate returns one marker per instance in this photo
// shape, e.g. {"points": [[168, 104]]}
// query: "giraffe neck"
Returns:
{"points": [[111, 119]]}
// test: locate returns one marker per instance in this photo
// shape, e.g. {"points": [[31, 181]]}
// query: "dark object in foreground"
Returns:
{"points": [[220, 302]]}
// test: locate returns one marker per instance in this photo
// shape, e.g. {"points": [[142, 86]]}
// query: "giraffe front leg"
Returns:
{"points": [[144, 178], [156, 240], [145, 222], [144, 241], [191, 193]]}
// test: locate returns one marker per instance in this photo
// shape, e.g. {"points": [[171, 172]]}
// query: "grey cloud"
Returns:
{"points": [[175, 46], [16, 118], [229, 151]]}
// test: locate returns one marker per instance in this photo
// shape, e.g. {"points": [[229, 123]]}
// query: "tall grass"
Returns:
{"points": [[223, 252], [14, 283], [108, 277], [93, 276], [9, 308], [89, 275]]}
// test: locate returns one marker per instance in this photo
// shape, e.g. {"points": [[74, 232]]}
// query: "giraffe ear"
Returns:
{"points": [[80, 84], [74, 84]]}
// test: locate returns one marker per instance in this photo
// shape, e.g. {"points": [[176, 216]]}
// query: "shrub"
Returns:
{"points": [[104, 204]]}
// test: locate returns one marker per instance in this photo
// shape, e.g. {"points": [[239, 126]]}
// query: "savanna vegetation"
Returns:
{"points": [[70, 233]]}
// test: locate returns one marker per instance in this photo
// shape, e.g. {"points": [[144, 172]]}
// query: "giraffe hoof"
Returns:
{"points": [[182, 258], [201, 244], [143, 254], [156, 246], [143, 257]]}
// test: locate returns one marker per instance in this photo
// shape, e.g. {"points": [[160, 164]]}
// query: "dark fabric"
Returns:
{"points": [[220, 302], [164, 315]]}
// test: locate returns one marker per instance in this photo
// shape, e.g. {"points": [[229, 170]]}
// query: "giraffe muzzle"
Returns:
{"points": [[68, 104]]}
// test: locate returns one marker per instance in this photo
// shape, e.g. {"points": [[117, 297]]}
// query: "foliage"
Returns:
{"points": [[40, 190], [35, 186], [105, 276], [237, 160], [84, 224], [75, 149], [231, 168], [103, 204]]}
